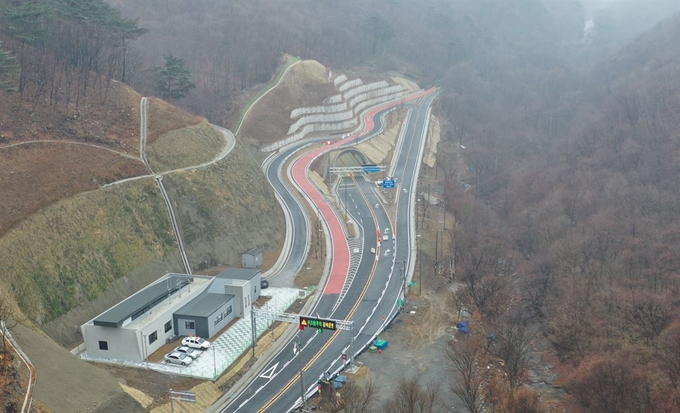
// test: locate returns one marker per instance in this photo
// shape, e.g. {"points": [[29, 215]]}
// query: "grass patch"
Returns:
{"points": [[74, 249], [226, 209], [185, 147], [163, 117]]}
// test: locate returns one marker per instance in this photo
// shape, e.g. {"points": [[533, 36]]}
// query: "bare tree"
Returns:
{"points": [[467, 357], [358, 399], [411, 397], [512, 345]]}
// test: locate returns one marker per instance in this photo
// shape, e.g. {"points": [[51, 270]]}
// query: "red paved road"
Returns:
{"points": [[339, 246]]}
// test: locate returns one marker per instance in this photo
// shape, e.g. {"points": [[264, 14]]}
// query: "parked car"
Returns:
{"points": [[264, 284], [196, 342], [178, 358], [191, 352]]}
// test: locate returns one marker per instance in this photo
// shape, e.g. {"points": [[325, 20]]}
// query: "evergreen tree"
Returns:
{"points": [[8, 68], [173, 79]]}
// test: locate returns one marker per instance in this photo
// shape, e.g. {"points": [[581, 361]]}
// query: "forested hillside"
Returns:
{"points": [[564, 186], [589, 223]]}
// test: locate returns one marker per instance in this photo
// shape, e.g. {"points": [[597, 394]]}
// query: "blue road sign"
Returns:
{"points": [[388, 183], [369, 169]]}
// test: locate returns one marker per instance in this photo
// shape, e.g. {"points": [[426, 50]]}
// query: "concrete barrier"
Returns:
{"points": [[338, 80], [350, 84]]}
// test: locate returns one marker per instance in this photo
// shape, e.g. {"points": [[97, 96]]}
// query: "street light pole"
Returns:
{"points": [[344, 186], [302, 382], [351, 345]]}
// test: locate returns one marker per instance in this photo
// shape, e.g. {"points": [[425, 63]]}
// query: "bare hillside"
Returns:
{"points": [[306, 84]]}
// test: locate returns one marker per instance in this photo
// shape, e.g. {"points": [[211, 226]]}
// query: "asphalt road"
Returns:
{"points": [[370, 301], [299, 220]]}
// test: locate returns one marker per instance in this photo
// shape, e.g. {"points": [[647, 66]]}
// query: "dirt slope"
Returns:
{"points": [[306, 84], [70, 392]]}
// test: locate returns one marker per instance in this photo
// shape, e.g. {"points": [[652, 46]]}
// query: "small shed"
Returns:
{"points": [[252, 258]]}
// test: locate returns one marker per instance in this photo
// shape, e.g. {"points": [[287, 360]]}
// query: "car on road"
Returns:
{"points": [[191, 352], [264, 284], [196, 342], [385, 238], [177, 358], [373, 250]]}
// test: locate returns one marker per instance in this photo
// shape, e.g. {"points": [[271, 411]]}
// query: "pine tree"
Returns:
{"points": [[173, 79]]}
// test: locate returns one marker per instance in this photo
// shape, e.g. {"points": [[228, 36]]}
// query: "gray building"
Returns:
{"points": [[176, 304], [206, 315], [244, 283], [141, 324], [252, 258]]}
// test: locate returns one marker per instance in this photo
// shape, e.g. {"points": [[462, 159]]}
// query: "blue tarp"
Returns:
{"points": [[463, 327]]}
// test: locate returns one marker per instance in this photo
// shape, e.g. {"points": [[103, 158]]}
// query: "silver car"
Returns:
{"points": [[188, 351], [178, 358]]}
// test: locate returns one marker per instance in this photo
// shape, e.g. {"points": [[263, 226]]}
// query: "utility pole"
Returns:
{"points": [[420, 272], [436, 250]]}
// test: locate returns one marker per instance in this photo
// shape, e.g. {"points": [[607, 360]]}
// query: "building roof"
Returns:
{"points": [[204, 304], [142, 301], [255, 251], [239, 273]]}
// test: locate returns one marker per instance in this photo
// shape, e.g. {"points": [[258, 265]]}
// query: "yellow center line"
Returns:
{"points": [[337, 332]]}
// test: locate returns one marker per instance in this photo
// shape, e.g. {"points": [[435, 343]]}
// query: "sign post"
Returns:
{"points": [[183, 396]]}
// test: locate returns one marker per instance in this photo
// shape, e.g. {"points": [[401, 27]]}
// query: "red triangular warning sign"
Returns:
{"points": [[303, 322]]}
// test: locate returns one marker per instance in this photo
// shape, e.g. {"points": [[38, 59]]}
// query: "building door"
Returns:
{"points": [[186, 327]]}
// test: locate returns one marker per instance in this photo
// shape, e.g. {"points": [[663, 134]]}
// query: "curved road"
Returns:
{"points": [[371, 298]]}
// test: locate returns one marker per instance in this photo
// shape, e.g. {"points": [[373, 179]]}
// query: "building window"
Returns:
{"points": [[190, 325], [229, 310], [168, 326], [103, 345], [153, 337]]}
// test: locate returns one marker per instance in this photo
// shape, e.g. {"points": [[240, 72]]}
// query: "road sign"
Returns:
{"points": [[318, 323], [369, 169], [388, 183]]}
